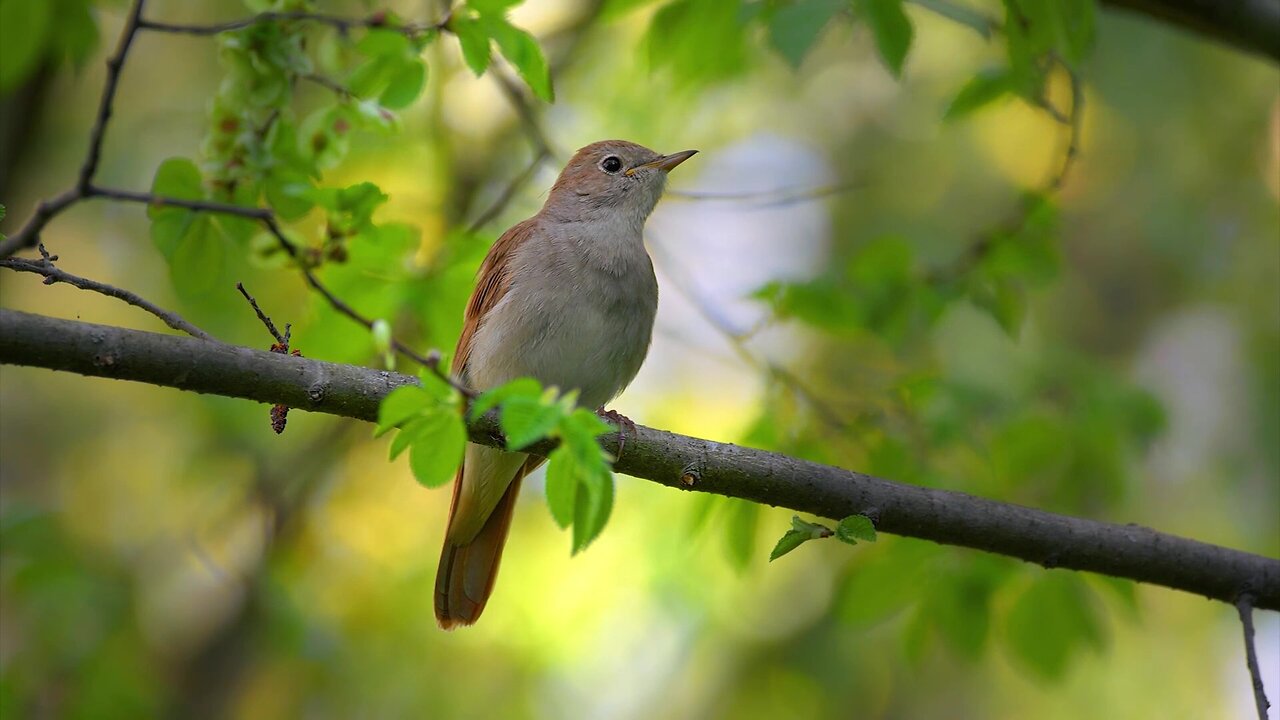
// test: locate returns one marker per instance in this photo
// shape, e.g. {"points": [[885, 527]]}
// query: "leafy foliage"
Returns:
{"points": [[295, 126], [579, 479], [429, 419], [34, 33], [850, 530]]}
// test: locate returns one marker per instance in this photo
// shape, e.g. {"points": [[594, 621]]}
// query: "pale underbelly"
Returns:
{"points": [[596, 351]]}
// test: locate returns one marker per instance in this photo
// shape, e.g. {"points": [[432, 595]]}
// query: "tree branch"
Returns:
{"points": [[952, 518], [1250, 25], [53, 274], [1244, 606]]}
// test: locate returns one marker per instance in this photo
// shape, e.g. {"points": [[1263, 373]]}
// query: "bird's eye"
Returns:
{"points": [[611, 164]]}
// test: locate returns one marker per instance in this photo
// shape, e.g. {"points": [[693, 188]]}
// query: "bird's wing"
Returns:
{"points": [[485, 489], [494, 279]]}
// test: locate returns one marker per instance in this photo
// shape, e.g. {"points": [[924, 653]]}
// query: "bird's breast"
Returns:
{"points": [[573, 317]]}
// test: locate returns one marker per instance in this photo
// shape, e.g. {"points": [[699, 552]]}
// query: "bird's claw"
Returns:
{"points": [[623, 423]]}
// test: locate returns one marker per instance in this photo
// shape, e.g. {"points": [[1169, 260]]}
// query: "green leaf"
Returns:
{"points": [[794, 28], [1005, 300], [982, 89], [1076, 26], [973, 19], [801, 532], [25, 27], [961, 612], [583, 427], [891, 29], [474, 40], [885, 580], [198, 265], [438, 388], [563, 471], [492, 7], [439, 439], [176, 177], [522, 50], [1029, 35], [402, 440], [384, 41], [789, 541], [171, 226], [592, 507], [404, 84], [1053, 619], [401, 404], [855, 528], [520, 387], [76, 34], [701, 41], [286, 192], [525, 420]]}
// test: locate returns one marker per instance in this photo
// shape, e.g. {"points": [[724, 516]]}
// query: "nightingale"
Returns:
{"points": [[567, 297]]}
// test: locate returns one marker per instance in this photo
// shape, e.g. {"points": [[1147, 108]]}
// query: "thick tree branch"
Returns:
{"points": [[953, 518], [1251, 25]]}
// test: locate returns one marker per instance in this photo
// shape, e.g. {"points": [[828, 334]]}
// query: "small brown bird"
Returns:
{"points": [[567, 297]]}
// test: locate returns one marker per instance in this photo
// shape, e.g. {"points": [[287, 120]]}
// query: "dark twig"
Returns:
{"points": [[431, 360], [524, 109], [254, 213], [271, 327], [338, 22], [1244, 606], [758, 199], [509, 191], [114, 65], [1074, 123], [53, 274], [29, 234], [328, 83], [738, 339], [279, 411]]}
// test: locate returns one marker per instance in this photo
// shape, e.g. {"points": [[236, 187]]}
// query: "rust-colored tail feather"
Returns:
{"points": [[467, 572]]}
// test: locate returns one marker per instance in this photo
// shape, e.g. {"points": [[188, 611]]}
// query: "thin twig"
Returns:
{"points": [[758, 199], [114, 65], [328, 83], [1074, 123], [738, 340], [524, 109], [29, 234], [271, 327], [340, 23], [509, 191], [255, 213], [431, 360], [1244, 606], [53, 274]]}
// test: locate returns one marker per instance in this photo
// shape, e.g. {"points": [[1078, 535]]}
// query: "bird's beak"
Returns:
{"points": [[666, 162]]}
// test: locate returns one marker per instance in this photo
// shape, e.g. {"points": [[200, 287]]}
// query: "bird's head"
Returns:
{"points": [[611, 177]]}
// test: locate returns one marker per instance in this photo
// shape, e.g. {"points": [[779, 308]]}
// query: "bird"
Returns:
{"points": [[567, 297]]}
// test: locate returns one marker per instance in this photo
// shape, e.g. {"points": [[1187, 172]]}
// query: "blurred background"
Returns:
{"points": [[164, 553]]}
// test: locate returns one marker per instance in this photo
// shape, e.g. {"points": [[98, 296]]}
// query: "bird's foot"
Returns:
{"points": [[622, 422]]}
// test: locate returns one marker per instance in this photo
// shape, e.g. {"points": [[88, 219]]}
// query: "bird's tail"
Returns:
{"points": [[467, 571]]}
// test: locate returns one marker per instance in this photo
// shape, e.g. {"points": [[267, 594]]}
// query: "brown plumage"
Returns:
{"points": [[568, 297]]}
